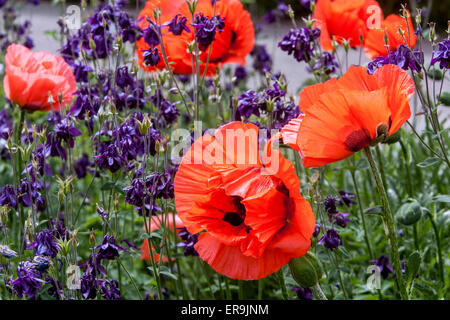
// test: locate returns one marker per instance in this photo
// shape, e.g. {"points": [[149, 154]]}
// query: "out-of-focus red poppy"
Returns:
{"points": [[342, 116], [232, 45], [157, 221], [33, 77], [345, 19], [374, 43], [250, 213]]}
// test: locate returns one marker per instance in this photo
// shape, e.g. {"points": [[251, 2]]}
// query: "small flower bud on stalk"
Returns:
{"points": [[307, 272]]}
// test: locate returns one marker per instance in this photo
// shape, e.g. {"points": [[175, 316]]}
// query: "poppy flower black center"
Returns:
{"points": [[236, 218], [357, 140]]}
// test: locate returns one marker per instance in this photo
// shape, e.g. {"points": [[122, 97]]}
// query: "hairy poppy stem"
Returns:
{"points": [[317, 290], [389, 223]]}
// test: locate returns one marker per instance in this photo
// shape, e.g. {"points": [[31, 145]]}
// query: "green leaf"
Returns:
{"points": [[412, 268], [442, 198], [377, 210], [429, 162]]}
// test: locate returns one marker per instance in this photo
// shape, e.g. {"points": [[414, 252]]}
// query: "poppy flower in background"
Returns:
{"points": [[374, 41], [32, 77], [341, 117], [252, 217], [157, 222], [231, 44], [344, 19]]}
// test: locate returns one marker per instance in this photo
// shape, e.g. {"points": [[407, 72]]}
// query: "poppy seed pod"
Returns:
{"points": [[307, 270], [409, 213]]}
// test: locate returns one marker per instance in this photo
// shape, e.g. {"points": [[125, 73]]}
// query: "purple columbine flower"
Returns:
{"points": [[250, 103], [442, 55], [262, 60], [383, 263], [331, 239], [151, 57], [108, 250], [178, 24], [300, 43], [404, 58], [303, 293], [110, 290], [28, 281], [330, 203], [151, 36], [347, 197], [123, 78], [188, 243], [270, 17], [8, 197], [317, 229], [82, 166], [240, 73], [341, 219], [206, 29], [45, 244]]}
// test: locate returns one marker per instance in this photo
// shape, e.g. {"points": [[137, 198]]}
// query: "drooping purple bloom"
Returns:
{"points": [[8, 197], [110, 290], [442, 55], [404, 57], [108, 250], [330, 203], [250, 103], [151, 57], [82, 166], [341, 219], [45, 244], [28, 281], [188, 243], [317, 229], [151, 36], [331, 239], [262, 60], [383, 263], [206, 29], [300, 43], [178, 24], [347, 198], [6, 252]]}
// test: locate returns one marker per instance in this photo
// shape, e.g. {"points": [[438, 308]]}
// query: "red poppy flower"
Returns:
{"points": [[374, 43], [250, 212], [232, 45], [344, 19], [32, 77], [342, 116], [157, 221]]}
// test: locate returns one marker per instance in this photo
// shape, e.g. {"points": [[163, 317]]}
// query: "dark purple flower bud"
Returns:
{"points": [[188, 243], [331, 239], [6, 252], [317, 229], [303, 293], [240, 73], [178, 24], [383, 263]]}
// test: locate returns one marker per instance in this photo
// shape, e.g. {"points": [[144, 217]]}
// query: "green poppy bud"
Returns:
{"points": [[409, 213], [445, 98], [306, 270]]}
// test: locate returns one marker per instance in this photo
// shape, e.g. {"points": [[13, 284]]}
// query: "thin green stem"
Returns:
{"points": [[389, 222]]}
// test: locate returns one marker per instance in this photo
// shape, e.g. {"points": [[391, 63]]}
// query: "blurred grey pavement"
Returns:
{"points": [[44, 18]]}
